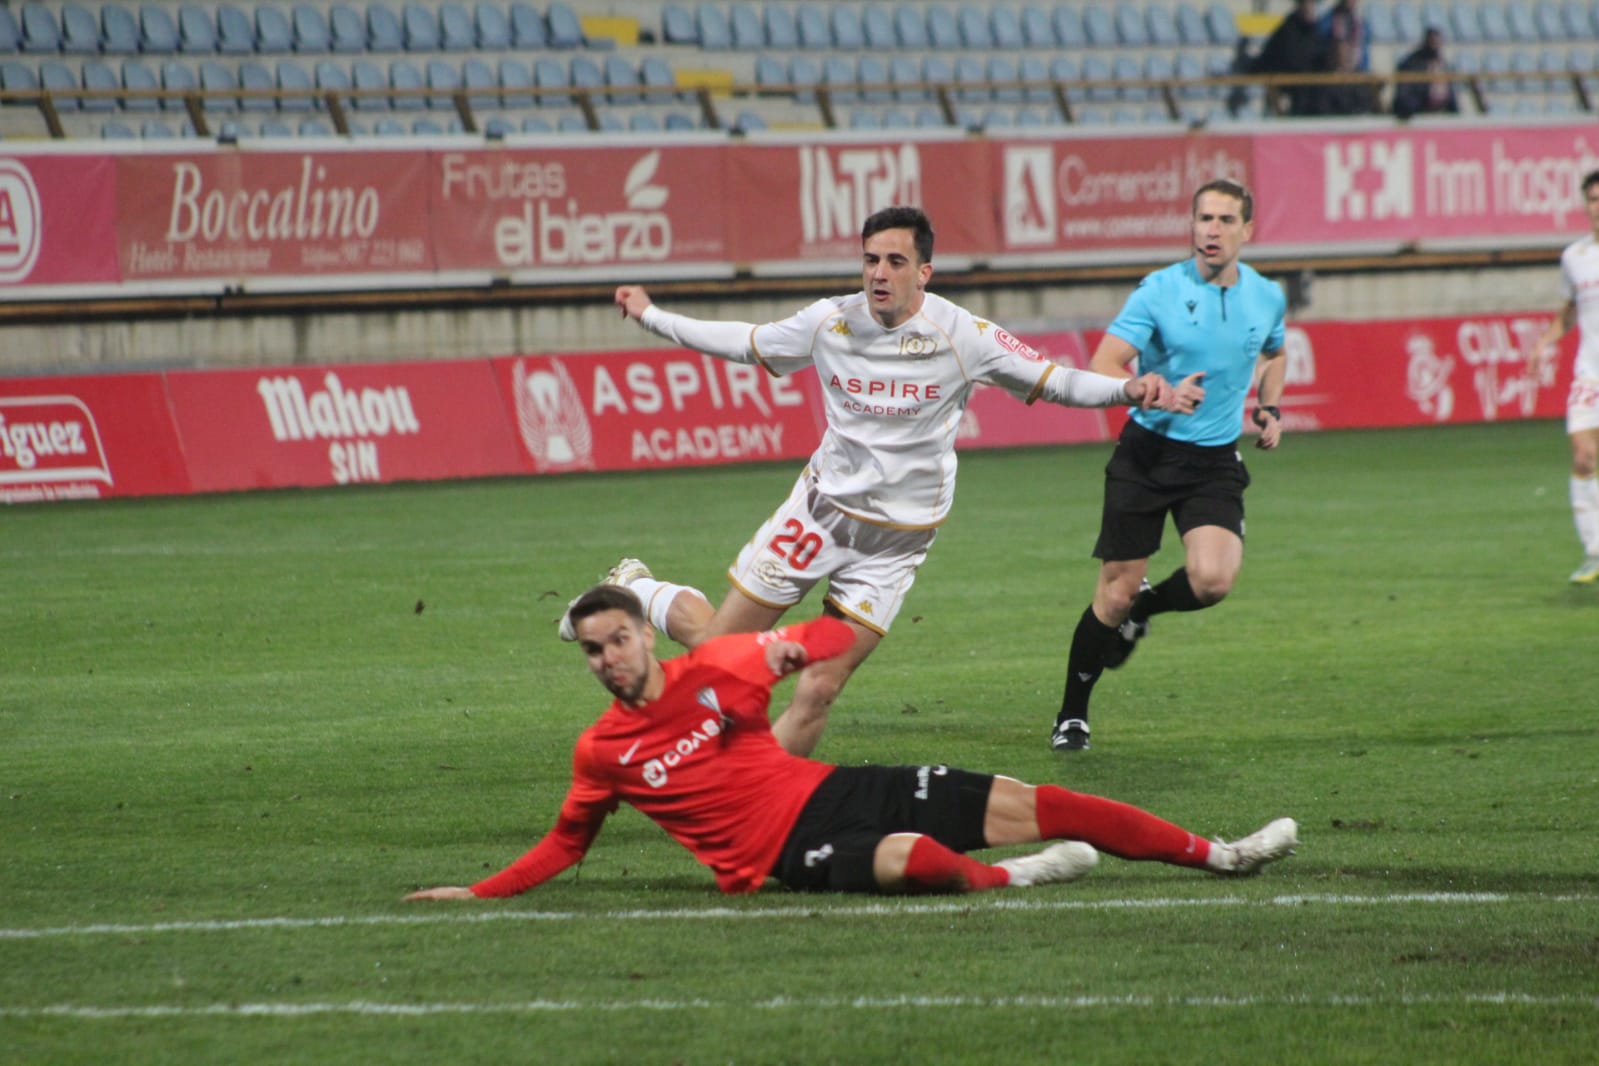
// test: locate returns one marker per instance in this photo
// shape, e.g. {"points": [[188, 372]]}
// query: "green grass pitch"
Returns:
{"points": [[235, 730]]}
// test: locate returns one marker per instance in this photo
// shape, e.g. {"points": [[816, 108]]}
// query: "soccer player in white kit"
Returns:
{"points": [[897, 365], [1579, 284]]}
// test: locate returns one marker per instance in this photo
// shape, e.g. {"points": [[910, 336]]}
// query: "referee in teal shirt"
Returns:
{"points": [[1213, 326]]}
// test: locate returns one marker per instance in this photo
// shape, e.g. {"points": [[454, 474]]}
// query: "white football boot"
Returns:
{"points": [[623, 573], [1274, 841], [1058, 863]]}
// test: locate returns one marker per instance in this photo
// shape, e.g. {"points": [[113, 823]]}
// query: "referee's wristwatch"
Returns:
{"points": [[1268, 409]]}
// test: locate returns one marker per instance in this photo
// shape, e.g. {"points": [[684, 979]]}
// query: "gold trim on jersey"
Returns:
{"points": [[1038, 389], [853, 617], [733, 580]]}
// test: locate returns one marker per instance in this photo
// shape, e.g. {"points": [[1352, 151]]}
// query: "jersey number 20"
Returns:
{"points": [[796, 544]]}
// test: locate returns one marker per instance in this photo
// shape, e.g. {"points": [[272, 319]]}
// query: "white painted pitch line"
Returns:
{"points": [[88, 1012], [960, 905]]}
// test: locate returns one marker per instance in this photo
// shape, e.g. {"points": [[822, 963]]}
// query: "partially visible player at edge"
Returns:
{"points": [[1214, 318], [1579, 285], [687, 742], [897, 365]]}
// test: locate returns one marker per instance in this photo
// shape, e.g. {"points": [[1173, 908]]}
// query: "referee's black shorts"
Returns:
{"points": [[1150, 476], [831, 846]]}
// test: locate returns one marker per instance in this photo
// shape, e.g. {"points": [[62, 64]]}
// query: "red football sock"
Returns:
{"points": [[1118, 828], [931, 867]]}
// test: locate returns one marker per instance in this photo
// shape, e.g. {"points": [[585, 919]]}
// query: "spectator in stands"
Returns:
{"points": [[1347, 36], [1296, 46], [1424, 97]]}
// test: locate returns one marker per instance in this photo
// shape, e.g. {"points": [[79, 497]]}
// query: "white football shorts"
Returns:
{"points": [[870, 568], [1582, 405]]}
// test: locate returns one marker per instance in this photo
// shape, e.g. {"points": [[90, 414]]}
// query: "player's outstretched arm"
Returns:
{"points": [[442, 892], [633, 301]]}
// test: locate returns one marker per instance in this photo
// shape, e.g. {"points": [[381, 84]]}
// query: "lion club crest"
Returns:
{"points": [[550, 416]]}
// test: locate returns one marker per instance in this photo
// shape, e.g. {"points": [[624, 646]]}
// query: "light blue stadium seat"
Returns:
{"points": [[781, 32], [1407, 23], [492, 28], [1032, 68], [1191, 29], [1546, 16], [1099, 26], [1463, 25], [660, 84], [848, 32], [100, 77], [528, 28], [457, 31], [1069, 26], [366, 77], [136, 77], [477, 77], [770, 72], [1495, 70], [747, 121], [877, 24], [1063, 68], [929, 118], [498, 127], [117, 131], [973, 30], [41, 32], [346, 30], [1581, 19], [292, 75], [230, 132], [895, 119], [404, 74], [622, 80], [1037, 29], [1495, 25], [536, 124], [838, 71], [79, 31], [1000, 69], [936, 69], [55, 76], [254, 75], [1162, 27], [1523, 28], [1188, 69], [154, 128], [1380, 17], [314, 127], [812, 27], [1131, 30], [677, 25], [871, 69], [1523, 71], [565, 29], [904, 71], [426, 127], [571, 124], [10, 33], [1552, 65], [1123, 67], [1435, 13], [1222, 25], [643, 122], [1158, 66], [235, 32], [331, 76], [309, 30], [1006, 28], [18, 76], [218, 77], [177, 76], [804, 72], [747, 31], [119, 31], [516, 82], [273, 33], [276, 127], [384, 33], [444, 77], [942, 29], [864, 118], [585, 73], [911, 26], [1097, 68], [550, 74], [677, 122], [419, 27], [389, 127]]}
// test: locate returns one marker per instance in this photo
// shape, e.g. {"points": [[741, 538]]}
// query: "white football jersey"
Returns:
{"points": [[894, 398], [1579, 281]]}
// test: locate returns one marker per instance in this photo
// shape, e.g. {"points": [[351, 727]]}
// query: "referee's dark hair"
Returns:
{"points": [[1227, 187]]}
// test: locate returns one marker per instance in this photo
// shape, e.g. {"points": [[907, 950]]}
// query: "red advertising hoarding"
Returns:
{"points": [[286, 426], [805, 202], [75, 438], [1418, 185], [1107, 194], [263, 214], [630, 212], [57, 215], [651, 409]]}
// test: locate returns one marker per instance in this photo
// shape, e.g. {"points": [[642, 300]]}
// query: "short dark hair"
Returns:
{"points": [[1589, 180], [1227, 187], [911, 218], [606, 598]]}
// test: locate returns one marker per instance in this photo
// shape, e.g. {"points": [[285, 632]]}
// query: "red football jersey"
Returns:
{"points": [[700, 761]]}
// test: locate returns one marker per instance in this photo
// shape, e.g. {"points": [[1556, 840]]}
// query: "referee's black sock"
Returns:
{"points": [[1084, 663], [1173, 594]]}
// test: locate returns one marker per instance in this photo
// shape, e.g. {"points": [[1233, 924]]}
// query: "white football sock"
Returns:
{"points": [[1585, 512], [657, 597]]}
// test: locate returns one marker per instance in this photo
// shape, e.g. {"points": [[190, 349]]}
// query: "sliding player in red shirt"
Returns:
{"points": [[688, 743]]}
